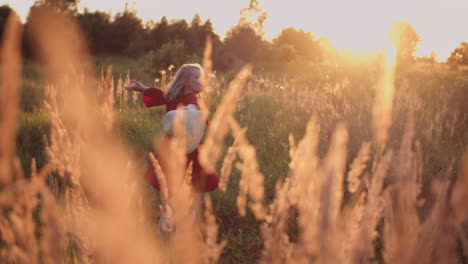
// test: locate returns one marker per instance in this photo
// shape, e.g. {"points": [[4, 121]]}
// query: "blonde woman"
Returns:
{"points": [[182, 90]]}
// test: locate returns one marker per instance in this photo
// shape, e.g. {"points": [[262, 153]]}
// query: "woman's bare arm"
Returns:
{"points": [[137, 86]]}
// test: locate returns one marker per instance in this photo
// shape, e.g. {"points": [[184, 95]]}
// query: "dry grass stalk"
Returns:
{"points": [[252, 179], [316, 190], [382, 113], [357, 167], [226, 168], [120, 91], [432, 237], [353, 246], [375, 197], [9, 95], [206, 78], [125, 92], [402, 221], [303, 191], [277, 245], [210, 151], [437, 241], [163, 78], [331, 196], [25, 239], [460, 211], [103, 160], [109, 100], [165, 207], [213, 249], [134, 98], [292, 146], [62, 150], [365, 215], [304, 159], [161, 177], [22, 239]]}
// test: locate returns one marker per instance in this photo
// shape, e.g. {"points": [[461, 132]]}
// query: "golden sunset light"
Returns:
{"points": [[363, 25], [234, 131], [350, 25]]}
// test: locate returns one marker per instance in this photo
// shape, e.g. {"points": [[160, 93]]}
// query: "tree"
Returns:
{"points": [[171, 53], [158, 35], [164, 32], [405, 39], [97, 29], [459, 55], [63, 6], [216, 43], [196, 35], [125, 28], [293, 43], [242, 42], [178, 30]]}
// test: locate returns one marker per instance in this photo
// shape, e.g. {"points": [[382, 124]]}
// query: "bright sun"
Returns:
{"points": [[358, 26], [363, 25]]}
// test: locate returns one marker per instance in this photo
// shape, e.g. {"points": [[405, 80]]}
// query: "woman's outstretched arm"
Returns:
{"points": [[136, 87]]}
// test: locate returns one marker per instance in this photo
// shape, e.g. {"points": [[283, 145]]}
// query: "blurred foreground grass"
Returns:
{"points": [[275, 109]]}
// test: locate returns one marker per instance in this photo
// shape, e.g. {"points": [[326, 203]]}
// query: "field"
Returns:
{"points": [[361, 163]]}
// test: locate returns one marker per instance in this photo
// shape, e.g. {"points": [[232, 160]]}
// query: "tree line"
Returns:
{"points": [[173, 42]]}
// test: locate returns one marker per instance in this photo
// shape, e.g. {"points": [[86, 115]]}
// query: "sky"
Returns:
{"points": [[357, 25]]}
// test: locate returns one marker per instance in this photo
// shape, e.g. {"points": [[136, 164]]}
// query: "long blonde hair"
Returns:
{"points": [[176, 87]]}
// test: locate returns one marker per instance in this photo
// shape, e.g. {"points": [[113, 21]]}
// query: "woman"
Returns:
{"points": [[183, 91]]}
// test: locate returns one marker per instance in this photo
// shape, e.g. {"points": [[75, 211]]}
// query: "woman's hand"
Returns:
{"points": [[137, 86]]}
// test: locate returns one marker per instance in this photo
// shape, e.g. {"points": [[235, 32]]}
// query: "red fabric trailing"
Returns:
{"points": [[154, 97], [202, 181]]}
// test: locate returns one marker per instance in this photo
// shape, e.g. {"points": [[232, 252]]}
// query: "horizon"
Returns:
{"points": [[361, 26]]}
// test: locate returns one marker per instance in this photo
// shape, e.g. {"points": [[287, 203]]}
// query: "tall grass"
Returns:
{"points": [[344, 169]]}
